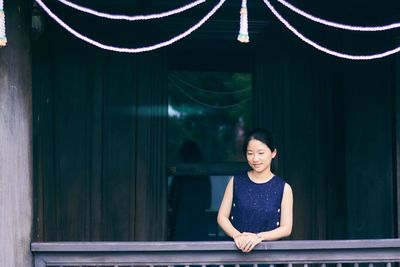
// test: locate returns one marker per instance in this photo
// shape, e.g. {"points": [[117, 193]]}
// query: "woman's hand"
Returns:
{"points": [[247, 241], [239, 240]]}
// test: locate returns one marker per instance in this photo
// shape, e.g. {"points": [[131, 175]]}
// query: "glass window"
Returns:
{"points": [[210, 108], [208, 114]]}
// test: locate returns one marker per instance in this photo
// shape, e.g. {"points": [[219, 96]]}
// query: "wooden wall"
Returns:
{"points": [[15, 139], [302, 105], [333, 121], [99, 136], [370, 149], [396, 118]]}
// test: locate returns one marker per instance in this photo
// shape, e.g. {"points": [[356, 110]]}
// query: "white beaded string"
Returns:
{"points": [[131, 18], [324, 49], [339, 25], [3, 39], [130, 50]]}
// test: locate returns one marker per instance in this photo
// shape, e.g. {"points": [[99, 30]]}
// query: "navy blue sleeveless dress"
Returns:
{"points": [[256, 207]]}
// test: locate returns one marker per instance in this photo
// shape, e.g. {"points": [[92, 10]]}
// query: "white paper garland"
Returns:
{"points": [[327, 50], [243, 34], [339, 25], [131, 18], [127, 49]]}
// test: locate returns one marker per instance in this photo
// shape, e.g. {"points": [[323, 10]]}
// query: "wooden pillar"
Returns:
{"points": [[15, 138]]}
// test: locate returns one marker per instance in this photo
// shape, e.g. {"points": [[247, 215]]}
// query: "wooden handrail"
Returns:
{"points": [[214, 253]]}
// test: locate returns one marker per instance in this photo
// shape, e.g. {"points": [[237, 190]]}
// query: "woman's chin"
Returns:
{"points": [[258, 169]]}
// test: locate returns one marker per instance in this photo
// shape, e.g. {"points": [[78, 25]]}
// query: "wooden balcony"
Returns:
{"points": [[355, 253]]}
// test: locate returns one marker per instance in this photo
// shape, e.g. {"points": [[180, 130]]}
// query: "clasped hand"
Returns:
{"points": [[247, 241]]}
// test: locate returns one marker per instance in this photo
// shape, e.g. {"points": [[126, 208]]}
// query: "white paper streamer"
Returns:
{"points": [[243, 36]]}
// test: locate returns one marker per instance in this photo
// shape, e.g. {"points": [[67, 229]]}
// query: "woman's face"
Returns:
{"points": [[259, 156]]}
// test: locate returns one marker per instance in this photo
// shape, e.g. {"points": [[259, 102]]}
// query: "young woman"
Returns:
{"points": [[257, 205]]}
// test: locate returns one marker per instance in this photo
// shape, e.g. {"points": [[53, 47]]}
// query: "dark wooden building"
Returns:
{"points": [[84, 132]]}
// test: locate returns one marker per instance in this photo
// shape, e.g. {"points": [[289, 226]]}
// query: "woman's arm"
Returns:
{"points": [[223, 217], [225, 210], [286, 222]]}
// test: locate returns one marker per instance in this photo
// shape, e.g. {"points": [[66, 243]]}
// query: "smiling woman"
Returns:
{"points": [[257, 205]]}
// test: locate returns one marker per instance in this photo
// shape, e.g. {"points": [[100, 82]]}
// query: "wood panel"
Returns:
{"points": [[292, 99], [118, 146], [369, 149], [100, 138], [151, 182], [396, 116], [332, 121], [16, 139], [42, 144], [88, 146]]}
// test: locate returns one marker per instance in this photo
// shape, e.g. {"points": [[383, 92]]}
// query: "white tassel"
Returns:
{"points": [[3, 39], [243, 32]]}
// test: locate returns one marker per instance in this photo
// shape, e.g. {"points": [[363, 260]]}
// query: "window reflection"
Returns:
{"points": [[211, 108]]}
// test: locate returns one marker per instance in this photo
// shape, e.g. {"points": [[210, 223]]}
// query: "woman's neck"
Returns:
{"points": [[261, 176]]}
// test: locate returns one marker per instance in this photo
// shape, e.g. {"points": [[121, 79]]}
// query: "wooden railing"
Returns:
{"points": [[121, 254]]}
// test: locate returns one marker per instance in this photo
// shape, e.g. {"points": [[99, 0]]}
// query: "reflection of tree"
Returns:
{"points": [[210, 106]]}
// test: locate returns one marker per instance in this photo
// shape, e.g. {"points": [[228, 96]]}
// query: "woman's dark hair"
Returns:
{"points": [[261, 135]]}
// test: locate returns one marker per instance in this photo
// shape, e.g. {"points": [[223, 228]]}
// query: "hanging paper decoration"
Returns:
{"points": [[325, 49], [126, 49], [243, 32], [3, 39], [132, 18], [325, 22]]}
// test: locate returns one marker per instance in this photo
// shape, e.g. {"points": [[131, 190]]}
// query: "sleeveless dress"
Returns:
{"points": [[256, 207]]}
